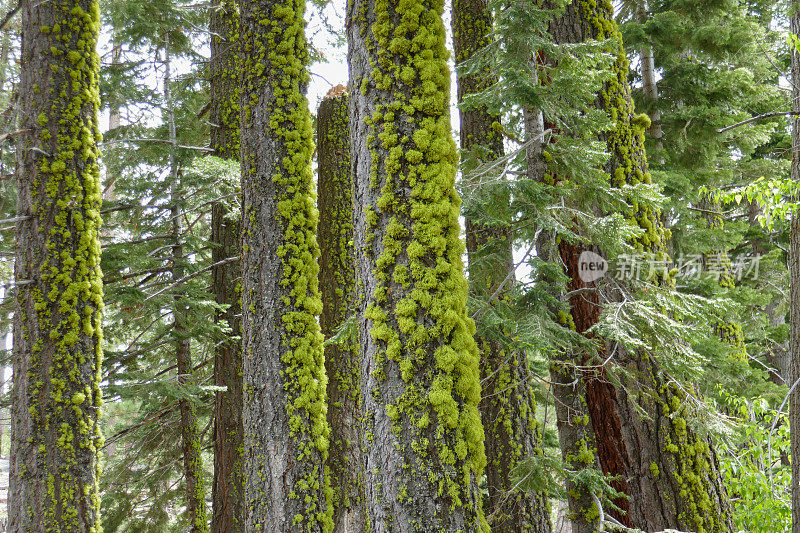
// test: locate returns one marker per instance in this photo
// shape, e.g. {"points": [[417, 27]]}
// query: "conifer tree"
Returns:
{"points": [[507, 407], [227, 491], [669, 472], [338, 287], [59, 290], [423, 432], [285, 428], [190, 430], [794, 274]]}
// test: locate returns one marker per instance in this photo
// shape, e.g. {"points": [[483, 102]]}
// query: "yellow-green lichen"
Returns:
{"points": [[416, 311]]}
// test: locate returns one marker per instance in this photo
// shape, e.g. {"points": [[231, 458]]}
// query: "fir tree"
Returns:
{"points": [[228, 488], [508, 408], [423, 432], [59, 287], [286, 434], [643, 449], [338, 287]]}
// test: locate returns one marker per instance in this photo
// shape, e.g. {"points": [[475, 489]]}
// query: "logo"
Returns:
{"points": [[591, 267]]}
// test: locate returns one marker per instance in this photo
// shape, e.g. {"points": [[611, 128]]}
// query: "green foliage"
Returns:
{"points": [[755, 465]]}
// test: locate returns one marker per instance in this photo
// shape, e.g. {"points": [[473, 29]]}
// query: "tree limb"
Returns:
{"points": [[759, 117]]}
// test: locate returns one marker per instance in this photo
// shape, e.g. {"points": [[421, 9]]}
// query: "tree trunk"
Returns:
{"points": [[338, 283], [794, 281], [285, 427], [507, 406], [59, 291], [190, 431], [228, 486], [649, 83], [419, 373], [669, 473]]}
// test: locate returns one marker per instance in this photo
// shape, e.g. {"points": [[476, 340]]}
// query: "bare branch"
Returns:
{"points": [[759, 117]]}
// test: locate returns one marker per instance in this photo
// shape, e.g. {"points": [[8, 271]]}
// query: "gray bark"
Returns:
{"points": [[419, 372], [58, 304], [284, 416]]}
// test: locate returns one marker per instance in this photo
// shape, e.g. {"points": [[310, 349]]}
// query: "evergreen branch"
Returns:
{"points": [[193, 275], [759, 117]]}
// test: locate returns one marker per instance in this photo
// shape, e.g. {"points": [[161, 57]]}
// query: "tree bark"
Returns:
{"points": [[59, 292], [228, 486], [507, 406], [794, 281], [285, 427], [649, 83], [338, 285], [190, 431], [669, 472], [419, 373]]}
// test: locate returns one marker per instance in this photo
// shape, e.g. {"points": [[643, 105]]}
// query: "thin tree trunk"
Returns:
{"points": [[286, 434], [649, 83], [507, 406], [190, 431], [4, 349], [575, 432], [228, 486], [59, 292], [794, 282], [670, 474], [338, 284], [424, 437]]}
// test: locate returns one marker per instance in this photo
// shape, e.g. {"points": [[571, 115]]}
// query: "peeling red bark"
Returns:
{"points": [[600, 393]]}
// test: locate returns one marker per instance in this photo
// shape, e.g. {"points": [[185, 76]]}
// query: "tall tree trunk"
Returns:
{"points": [[285, 427], [59, 290], [190, 431], [423, 432], [670, 474], [794, 281], [228, 487], [507, 406], [338, 283]]}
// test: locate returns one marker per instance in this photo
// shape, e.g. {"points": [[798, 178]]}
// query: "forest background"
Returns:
{"points": [[710, 305]]}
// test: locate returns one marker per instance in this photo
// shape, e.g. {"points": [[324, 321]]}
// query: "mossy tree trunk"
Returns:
{"points": [[419, 372], [228, 489], [285, 427], [669, 472], [59, 292], [338, 286], [190, 426], [794, 281], [507, 406], [575, 432]]}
